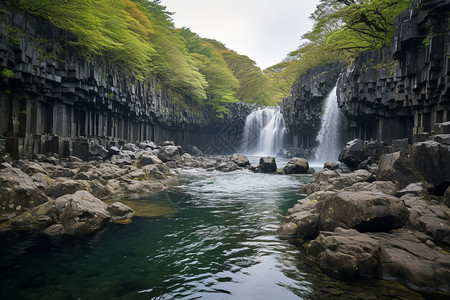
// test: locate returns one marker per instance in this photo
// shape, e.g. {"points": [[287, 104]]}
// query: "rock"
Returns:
{"points": [[193, 150], [81, 213], [446, 197], [385, 187], [122, 159], [139, 188], [296, 166], [364, 211], [400, 255], [169, 153], [18, 192], [38, 217], [429, 217], [66, 187], [41, 180], [166, 143], [147, 158], [31, 168], [397, 167], [432, 160], [267, 164], [64, 172], [147, 144], [417, 189], [331, 165], [130, 147], [51, 160], [346, 252], [113, 151], [120, 212], [442, 128], [288, 229], [152, 171], [54, 230], [240, 159], [75, 159], [227, 166], [353, 153]]}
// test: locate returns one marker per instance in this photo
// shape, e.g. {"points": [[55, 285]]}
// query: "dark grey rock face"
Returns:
{"points": [[353, 153], [267, 164]]}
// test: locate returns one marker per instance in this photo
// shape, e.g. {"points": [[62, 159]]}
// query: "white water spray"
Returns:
{"points": [[264, 132], [329, 134]]}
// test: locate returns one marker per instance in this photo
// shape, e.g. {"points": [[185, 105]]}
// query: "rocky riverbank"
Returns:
{"points": [[69, 196], [386, 217]]}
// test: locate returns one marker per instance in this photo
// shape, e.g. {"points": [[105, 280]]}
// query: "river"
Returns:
{"points": [[213, 236]]}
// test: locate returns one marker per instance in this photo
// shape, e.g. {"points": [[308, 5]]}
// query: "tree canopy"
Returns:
{"points": [[342, 29]]}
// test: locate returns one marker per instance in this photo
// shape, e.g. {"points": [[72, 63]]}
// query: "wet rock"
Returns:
{"points": [[120, 212], [169, 153], [432, 159], [240, 159], [296, 166], [288, 229], [227, 166], [346, 252], [81, 213], [363, 210], [267, 165], [18, 192], [399, 254], [353, 153], [397, 167], [40, 216], [331, 165]]}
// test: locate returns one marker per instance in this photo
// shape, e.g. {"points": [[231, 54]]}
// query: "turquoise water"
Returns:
{"points": [[218, 242]]}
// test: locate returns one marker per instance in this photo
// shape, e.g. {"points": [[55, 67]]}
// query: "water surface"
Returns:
{"points": [[212, 237]]}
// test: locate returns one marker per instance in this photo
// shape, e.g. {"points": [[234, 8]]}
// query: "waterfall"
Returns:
{"points": [[264, 132], [329, 134]]}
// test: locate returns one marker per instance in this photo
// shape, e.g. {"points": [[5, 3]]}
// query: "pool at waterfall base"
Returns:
{"points": [[213, 236]]}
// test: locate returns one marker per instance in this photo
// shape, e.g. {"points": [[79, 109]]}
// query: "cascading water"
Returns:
{"points": [[264, 132], [329, 134]]}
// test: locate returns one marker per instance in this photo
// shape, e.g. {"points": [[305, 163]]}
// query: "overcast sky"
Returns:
{"points": [[264, 30]]}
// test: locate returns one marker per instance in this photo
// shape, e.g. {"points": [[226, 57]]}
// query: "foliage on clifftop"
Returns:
{"points": [[342, 30], [139, 37]]}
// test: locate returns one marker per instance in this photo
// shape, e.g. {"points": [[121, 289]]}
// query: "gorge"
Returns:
{"points": [[79, 134]]}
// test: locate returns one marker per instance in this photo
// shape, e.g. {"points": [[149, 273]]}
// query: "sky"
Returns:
{"points": [[264, 30]]}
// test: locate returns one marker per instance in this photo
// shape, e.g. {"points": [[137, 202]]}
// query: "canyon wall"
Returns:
{"points": [[402, 91], [54, 100], [393, 93]]}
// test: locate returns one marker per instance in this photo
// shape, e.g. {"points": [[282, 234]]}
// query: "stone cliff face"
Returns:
{"points": [[393, 93], [303, 110], [50, 96], [402, 91]]}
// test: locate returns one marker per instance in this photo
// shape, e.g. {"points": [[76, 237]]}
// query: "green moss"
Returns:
{"points": [[7, 73]]}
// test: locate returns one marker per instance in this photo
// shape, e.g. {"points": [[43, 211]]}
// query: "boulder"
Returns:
{"points": [[347, 252], [130, 147], [362, 210], [353, 153], [40, 216], [418, 189], [193, 150], [228, 166], [30, 167], [18, 192], [147, 158], [399, 255], [432, 160], [120, 212], [240, 159], [81, 213], [267, 164], [169, 153], [147, 144], [296, 166], [397, 167], [152, 171], [331, 165], [68, 186], [167, 143]]}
